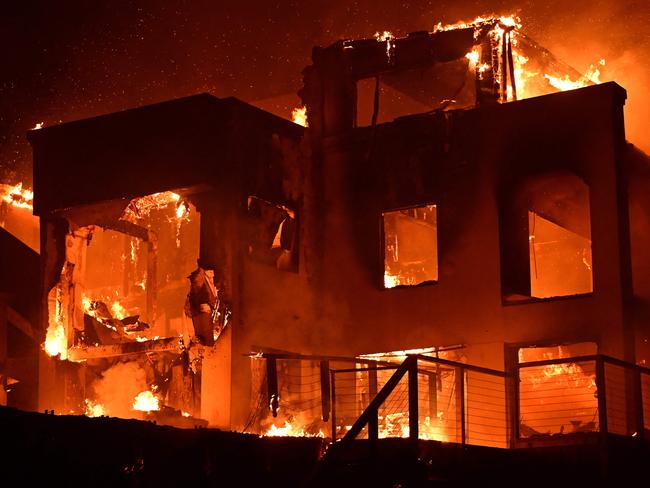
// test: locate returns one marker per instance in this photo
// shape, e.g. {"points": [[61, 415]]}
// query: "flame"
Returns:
{"points": [[146, 401], [56, 342], [384, 36], [94, 409], [118, 311], [39, 125], [289, 430], [592, 76], [299, 116], [182, 210], [523, 74], [17, 196]]}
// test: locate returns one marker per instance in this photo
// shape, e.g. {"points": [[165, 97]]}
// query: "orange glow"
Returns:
{"points": [[592, 76], [384, 36], [142, 207], [17, 196], [529, 81], [289, 430], [299, 116], [56, 343], [118, 311], [94, 409], [146, 401]]}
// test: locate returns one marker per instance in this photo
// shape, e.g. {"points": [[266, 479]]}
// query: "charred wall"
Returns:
{"points": [[468, 163]]}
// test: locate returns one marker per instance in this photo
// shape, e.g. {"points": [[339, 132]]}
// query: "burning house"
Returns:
{"points": [[447, 203]]}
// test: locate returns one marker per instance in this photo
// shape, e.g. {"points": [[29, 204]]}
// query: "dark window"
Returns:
{"points": [[272, 234]]}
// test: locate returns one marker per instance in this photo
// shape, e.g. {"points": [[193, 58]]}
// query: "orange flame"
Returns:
{"points": [[17, 196], [94, 409], [289, 430], [524, 76], [299, 116], [146, 401], [56, 343]]}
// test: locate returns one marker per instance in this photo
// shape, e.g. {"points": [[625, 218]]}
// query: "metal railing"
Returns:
{"points": [[430, 398], [423, 398], [582, 394]]}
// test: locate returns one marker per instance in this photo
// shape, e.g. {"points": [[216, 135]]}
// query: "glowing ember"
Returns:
{"points": [[142, 207], [299, 116], [94, 409], [17, 196], [146, 401]]}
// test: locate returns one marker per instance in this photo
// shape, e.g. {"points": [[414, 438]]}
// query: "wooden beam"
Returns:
{"points": [[80, 353]]}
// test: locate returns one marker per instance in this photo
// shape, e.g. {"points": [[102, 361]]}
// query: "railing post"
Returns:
{"points": [[272, 385], [461, 393], [602, 399], [638, 403], [414, 418], [373, 427], [325, 390], [433, 396], [333, 397], [372, 383]]}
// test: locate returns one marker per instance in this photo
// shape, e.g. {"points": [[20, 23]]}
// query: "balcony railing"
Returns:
{"points": [[423, 398], [435, 399], [582, 394]]}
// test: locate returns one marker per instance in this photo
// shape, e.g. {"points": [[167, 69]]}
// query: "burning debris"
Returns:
{"points": [[16, 196]]}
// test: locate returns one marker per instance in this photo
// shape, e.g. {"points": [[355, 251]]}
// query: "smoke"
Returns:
{"points": [[74, 59], [118, 387], [618, 33]]}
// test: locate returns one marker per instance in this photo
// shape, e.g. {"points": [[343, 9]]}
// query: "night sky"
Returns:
{"points": [[70, 59]]}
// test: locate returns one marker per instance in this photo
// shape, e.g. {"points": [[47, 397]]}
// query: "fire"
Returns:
{"points": [[592, 76], [94, 409], [384, 36], [118, 311], [56, 342], [17, 196], [39, 125], [146, 401], [289, 430], [528, 81], [182, 210], [299, 116]]}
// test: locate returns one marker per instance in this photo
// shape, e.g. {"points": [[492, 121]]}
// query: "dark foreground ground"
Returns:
{"points": [[75, 451]]}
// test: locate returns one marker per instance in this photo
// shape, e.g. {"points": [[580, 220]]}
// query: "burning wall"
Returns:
{"points": [[116, 268]]}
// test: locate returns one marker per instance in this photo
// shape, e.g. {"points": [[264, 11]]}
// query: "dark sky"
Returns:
{"points": [[69, 59]]}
